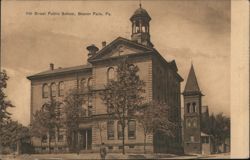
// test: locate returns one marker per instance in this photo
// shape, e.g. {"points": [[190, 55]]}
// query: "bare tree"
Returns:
{"points": [[123, 95]]}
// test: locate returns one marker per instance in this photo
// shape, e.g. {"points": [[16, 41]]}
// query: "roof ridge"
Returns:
{"points": [[60, 70]]}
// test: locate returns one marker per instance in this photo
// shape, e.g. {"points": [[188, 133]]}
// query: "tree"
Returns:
{"points": [[73, 112], [153, 117], [47, 119], [12, 134], [4, 104], [218, 126], [124, 94], [38, 128]]}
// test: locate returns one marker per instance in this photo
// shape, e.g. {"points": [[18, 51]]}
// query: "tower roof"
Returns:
{"points": [[192, 83], [140, 13]]}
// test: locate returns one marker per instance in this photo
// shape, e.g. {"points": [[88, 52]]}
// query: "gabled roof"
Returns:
{"points": [[120, 40], [192, 83], [59, 71]]}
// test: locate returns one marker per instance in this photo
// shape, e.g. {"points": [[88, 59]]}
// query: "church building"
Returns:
{"points": [[194, 140], [162, 83]]}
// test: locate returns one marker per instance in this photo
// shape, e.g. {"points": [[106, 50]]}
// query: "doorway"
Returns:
{"points": [[85, 139]]}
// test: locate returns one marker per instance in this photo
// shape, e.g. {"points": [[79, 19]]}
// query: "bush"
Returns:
{"points": [[7, 150]]}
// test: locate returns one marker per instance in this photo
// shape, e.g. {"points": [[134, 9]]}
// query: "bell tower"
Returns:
{"points": [[140, 27], [192, 114]]}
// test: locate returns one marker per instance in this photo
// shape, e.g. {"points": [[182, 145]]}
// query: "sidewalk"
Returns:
{"points": [[109, 156]]}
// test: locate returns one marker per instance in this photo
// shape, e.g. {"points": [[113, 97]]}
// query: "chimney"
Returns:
{"points": [[51, 65], [92, 50], [103, 44]]}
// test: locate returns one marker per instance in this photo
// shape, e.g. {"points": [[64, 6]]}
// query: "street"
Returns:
{"points": [[110, 156]]}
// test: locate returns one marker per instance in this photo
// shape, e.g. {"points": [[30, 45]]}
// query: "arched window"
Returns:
{"points": [[83, 84], [194, 107], [84, 108], [188, 123], [188, 108], [143, 29], [90, 83], [53, 89], [45, 91], [61, 89], [111, 74], [194, 122]]}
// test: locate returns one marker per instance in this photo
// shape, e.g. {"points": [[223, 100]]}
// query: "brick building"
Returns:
{"points": [[194, 140], [162, 84]]}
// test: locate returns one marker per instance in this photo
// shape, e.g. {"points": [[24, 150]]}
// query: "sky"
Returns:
{"points": [[187, 31]]}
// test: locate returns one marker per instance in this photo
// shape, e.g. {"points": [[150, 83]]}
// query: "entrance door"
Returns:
{"points": [[85, 139]]}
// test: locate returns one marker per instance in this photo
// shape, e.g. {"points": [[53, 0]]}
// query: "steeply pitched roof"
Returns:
{"points": [[60, 71], [192, 83]]}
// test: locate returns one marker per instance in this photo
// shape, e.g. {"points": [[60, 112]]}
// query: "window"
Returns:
{"points": [[188, 108], [44, 139], [83, 84], [110, 127], [52, 136], [45, 91], [205, 139], [131, 146], [188, 123], [192, 138], [53, 89], [89, 110], [61, 89], [110, 147], [119, 130], [84, 108], [131, 129], [194, 107], [90, 83], [90, 106], [143, 29], [110, 109], [58, 112], [60, 136], [111, 74], [194, 122]]}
